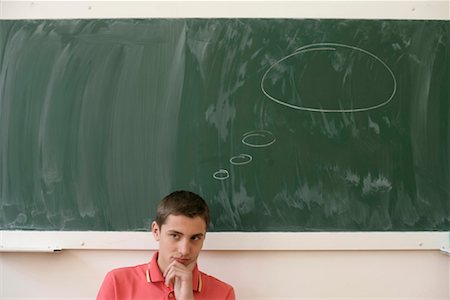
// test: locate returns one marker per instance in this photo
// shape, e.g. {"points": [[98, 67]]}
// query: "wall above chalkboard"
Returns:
{"points": [[280, 124]]}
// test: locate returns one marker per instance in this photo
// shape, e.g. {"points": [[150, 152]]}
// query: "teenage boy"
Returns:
{"points": [[182, 219]]}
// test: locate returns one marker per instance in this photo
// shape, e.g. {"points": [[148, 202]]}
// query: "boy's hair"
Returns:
{"points": [[183, 203]]}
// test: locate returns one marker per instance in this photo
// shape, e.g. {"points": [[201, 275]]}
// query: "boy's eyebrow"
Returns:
{"points": [[172, 231], [175, 232], [198, 235]]}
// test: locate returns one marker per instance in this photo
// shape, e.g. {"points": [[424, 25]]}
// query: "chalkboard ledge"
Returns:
{"points": [[50, 241]]}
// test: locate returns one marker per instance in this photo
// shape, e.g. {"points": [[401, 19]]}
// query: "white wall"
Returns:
{"points": [[276, 266], [363, 266], [358, 275]]}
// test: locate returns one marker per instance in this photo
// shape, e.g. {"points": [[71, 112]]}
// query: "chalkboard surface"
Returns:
{"points": [[281, 125]]}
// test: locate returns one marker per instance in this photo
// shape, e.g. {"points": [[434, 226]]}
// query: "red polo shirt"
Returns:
{"points": [[133, 283]]}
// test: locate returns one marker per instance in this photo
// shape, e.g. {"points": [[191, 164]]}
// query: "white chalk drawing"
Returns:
{"points": [[328, 47], [258, 138], [254, 138], [222, 174], [241, 159]]}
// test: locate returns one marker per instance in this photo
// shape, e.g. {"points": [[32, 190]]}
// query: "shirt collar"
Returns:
{"points": [[155, 274]]}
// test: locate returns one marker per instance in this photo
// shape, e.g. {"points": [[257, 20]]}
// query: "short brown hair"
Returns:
{"points": [[183, 203]]}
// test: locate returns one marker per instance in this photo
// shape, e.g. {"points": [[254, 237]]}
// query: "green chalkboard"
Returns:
{"points": [[281, 124]]}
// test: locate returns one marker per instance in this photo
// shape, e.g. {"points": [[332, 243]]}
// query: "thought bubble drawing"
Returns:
{"points": [[258, 138], [221, 174], [330, 77], [241, 159]]}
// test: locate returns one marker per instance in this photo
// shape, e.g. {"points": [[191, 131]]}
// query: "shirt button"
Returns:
{"points": [[170, 295]]}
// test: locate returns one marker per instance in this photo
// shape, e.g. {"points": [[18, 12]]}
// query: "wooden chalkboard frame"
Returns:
{"points": [[51, 241]]}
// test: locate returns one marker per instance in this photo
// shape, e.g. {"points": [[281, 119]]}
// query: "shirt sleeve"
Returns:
{"points": [[107, 289]]}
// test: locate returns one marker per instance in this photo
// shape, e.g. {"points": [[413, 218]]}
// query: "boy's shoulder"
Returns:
{"points": [[127, 271], [211, 282]]}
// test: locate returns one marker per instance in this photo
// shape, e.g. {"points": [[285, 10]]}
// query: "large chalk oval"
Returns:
{"points": [[330, 77]]}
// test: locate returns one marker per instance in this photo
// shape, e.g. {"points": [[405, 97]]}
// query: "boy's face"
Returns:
{"points": [[180, 238]]}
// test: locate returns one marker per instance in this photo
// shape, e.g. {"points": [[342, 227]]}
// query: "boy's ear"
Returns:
{"points": [[156, 231]]}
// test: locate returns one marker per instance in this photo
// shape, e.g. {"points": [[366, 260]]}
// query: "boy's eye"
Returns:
{"points": [[175, 236]]}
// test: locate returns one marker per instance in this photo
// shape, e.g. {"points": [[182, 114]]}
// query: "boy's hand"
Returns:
{"points": [[181, 278]]}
